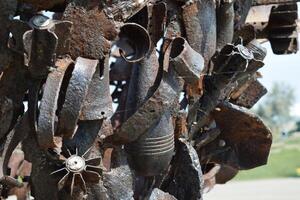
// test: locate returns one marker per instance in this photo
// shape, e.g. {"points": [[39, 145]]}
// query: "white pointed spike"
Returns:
{"points": [[72, 184], [69, 152], [86, 151], [59, 170], [62, 181], [84, 185], [76, 151]]}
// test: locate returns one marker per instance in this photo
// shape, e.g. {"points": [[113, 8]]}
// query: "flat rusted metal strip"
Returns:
{"points": [[82, 74], [249, 95], [48, 106], [98, 102]]}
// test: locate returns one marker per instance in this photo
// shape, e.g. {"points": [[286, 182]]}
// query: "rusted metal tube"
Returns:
{"points": [[186, 62]]}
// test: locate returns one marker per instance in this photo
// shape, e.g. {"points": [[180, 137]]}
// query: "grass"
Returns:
{"points": [[283, 162]]}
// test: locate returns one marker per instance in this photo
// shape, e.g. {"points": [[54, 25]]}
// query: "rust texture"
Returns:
{"points": [[132, 99]]}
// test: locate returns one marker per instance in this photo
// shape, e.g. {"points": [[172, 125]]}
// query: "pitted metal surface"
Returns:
{"points": [[77, 89], [129, 99]]}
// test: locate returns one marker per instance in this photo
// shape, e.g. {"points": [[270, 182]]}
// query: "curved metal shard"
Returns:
{"points": [[47, 116], [98, 102], [82, 74]]}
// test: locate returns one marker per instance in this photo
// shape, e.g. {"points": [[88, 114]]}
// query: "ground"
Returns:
{"points": [[273, 189]]}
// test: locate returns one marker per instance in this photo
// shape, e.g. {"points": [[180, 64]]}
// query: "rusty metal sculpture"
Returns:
{"points": [[141, 92]]}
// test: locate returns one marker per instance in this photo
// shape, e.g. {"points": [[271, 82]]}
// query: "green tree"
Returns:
{"points": [[275, 109]]}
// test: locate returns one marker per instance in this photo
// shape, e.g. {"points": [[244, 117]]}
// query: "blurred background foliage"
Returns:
{"points": [[275, 109]]}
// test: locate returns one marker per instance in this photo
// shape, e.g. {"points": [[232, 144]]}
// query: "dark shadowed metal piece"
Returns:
{"points": [[184, 180]]}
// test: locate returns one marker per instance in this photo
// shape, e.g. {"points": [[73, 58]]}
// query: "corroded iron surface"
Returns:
{"points": [[129, 99]]}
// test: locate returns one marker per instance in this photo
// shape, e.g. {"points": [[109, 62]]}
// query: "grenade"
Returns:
{"points": [[151, 154]]}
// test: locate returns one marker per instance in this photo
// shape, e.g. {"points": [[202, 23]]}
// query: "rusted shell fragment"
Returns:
{"points": [[48, 106], [201, 34], [92, 30], [187, 62], [229, 64], [82, 74], [248, 94], [184, 180], [142, 82], [158, 194], [165, 98], [246, 140], [137, 38], [225, 23], [98, 102], [151, 154]]}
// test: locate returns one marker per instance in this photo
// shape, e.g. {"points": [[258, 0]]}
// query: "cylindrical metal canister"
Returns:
{"points": [[151, 154]]}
